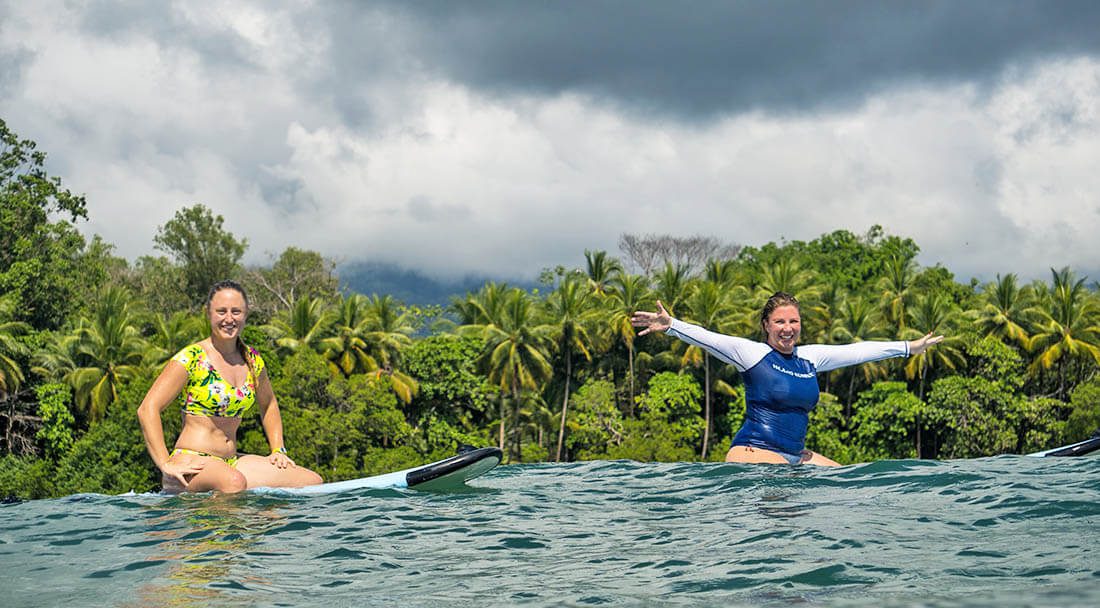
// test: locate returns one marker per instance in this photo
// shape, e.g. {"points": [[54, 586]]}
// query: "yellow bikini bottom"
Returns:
{"points": [[231, 461]]}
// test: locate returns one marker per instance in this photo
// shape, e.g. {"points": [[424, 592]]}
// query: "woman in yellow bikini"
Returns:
{"points": [[220, 378]]}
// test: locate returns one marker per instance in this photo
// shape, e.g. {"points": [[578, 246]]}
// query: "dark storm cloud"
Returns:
{"points": [[12, 65], [219, 47], [395, 131], [210, 52], [12, 62], [367, 47], [700, 59], [688, 60]]}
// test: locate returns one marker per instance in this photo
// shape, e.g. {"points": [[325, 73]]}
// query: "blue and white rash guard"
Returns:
{"points": [[780, 390]]}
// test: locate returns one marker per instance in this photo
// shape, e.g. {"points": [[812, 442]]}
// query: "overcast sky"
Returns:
{"points": [[504, 137]]}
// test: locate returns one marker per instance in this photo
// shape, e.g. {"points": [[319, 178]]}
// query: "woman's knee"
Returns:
{"points": [[217, 478], [171, 485], [235, 482], [297, 477], [311, 478]]}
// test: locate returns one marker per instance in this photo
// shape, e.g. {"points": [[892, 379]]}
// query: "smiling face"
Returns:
{"points": [[227, 312], [782, 328]]}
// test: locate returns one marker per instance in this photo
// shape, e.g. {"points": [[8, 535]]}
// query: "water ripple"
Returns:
{"points": [[1009, 531]]}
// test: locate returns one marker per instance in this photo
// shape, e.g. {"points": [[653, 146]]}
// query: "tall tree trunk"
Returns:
{"points": [[918, 438], [851, 389], [564, 405], [11, 418], [706, 406], [1062, 378], [920, 393], [501, 443], [630, 358], [517, 429], [336, 437]]}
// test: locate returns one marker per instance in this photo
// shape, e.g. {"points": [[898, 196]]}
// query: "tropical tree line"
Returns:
{"points": [[369, 384]]}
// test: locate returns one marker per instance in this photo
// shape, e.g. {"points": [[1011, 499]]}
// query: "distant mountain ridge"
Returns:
{"points": [[412, 286]]}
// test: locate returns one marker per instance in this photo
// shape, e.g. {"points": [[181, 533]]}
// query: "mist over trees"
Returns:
{"points": [[368, 384]]}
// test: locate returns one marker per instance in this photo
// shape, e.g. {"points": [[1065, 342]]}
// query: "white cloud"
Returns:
{"points": [[451, 180]]}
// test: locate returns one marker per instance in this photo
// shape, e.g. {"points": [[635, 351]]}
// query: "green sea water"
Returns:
{"points": [[1005, 531]]}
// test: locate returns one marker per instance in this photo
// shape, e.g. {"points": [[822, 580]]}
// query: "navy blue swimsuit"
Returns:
{"points": [[781, 390]]}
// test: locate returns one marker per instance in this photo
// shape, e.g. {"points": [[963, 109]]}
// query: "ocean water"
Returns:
{"points": [[1004, 531]]}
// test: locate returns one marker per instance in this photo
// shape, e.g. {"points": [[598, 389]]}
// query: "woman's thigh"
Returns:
{"points": [[750, 455], [259, 472], [819, 460], [215, 475], [746, 454]]}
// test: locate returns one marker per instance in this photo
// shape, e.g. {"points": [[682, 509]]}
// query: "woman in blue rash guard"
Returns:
{"points": [[780, 376]]}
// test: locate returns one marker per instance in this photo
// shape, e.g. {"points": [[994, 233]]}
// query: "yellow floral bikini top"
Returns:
{"points": [[207, 393]]}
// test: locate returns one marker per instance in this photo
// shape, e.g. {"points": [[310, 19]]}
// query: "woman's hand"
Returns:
{"points": [[280, 460], [181, 469], [918, 346], [652, 321]]}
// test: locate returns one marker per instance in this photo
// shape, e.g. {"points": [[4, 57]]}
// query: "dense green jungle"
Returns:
{"points": [[367, 384]]}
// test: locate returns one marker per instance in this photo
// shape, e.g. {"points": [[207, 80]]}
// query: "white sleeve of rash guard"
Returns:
{"points": [[739, 352], [826, 357]]}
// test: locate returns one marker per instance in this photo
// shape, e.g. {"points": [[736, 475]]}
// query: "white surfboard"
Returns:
{"points": [[447, 474]]}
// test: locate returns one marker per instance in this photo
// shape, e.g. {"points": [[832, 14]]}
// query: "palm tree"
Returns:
{"points": [[516, 352], [475, 312], [600, 269], [571, 311], [720, 272], [481, 307], [859, 321], [628, 293], [346, 349], [672, 284], [11, 372], [467, 310], [537, 417], [304, 325], [788, 275], [389, 326], [57, 356], [710, 306], [171, 333], [1067, 328], [388, 330], [896, 287], [819, 316], [1007, 310], [933, 312], [108, 351]]}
